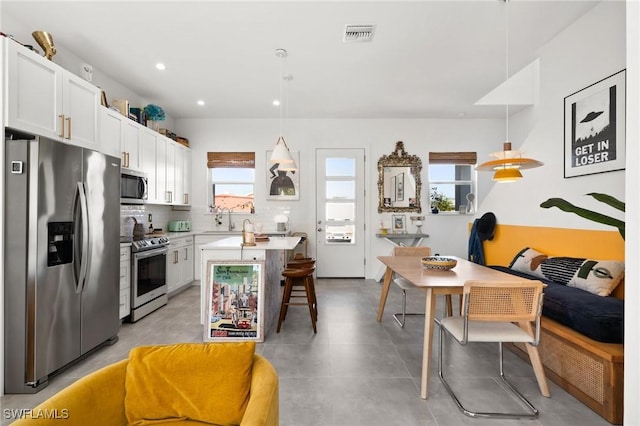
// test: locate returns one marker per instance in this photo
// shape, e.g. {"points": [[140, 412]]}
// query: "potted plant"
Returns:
{"points": [[439, 201]]}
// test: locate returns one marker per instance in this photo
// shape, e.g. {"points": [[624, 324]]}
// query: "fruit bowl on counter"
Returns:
{"points": [[441, 263]]}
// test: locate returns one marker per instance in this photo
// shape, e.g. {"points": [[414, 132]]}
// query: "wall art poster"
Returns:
{"points": [[594, 121], [234, 301], [283, 184]]}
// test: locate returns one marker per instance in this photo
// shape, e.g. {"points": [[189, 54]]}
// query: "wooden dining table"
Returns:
{"points": [[436, 282]]}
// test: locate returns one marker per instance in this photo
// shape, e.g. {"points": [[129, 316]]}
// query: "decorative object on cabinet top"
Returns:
{"points": [[154, 112], [45, 41]]}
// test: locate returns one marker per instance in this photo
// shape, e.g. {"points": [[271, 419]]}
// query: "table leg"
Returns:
{"points": [[385, 291], [536, 362], [429, 314]]}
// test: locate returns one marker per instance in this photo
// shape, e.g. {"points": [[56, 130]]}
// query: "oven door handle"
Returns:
{"points": [[150, 253]]}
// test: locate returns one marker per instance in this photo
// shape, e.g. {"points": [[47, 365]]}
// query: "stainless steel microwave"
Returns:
{"points": [[133, 187]]}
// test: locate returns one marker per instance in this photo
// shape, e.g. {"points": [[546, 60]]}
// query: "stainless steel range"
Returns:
{"points": [[148, 276]]}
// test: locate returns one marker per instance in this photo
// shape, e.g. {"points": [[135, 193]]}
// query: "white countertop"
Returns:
{"points": [[274, 243]]}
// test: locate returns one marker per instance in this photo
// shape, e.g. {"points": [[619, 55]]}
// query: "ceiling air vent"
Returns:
{"points": [[358, 33]]}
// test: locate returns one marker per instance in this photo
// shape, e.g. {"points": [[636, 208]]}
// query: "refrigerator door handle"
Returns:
{"points": [[83, 256]]}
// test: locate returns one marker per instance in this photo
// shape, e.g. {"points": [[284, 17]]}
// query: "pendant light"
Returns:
{"points": [[281, 153], [508, 162]]}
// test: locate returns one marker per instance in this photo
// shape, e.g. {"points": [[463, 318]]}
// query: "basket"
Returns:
{"points": [[439, 263]]}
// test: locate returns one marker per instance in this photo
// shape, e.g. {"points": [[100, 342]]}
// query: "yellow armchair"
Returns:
{"points": [[99, 398]]}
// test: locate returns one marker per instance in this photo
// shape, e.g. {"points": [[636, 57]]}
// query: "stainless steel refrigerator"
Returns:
{"points": [[61, 240]]}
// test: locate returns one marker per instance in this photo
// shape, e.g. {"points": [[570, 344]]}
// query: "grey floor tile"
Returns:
{"points": [[366, 360], [379, 402]]}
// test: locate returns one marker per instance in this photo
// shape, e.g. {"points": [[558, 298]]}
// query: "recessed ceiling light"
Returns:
{"points": [[276, 102], [201, 102], [160, 66]]}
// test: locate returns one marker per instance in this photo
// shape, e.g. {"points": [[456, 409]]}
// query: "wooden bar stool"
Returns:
{"points": [[300, 262], [303, 277]]}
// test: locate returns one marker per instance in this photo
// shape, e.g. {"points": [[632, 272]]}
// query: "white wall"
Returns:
{"points": [[632, 248], [566, 66], [448, 233]]}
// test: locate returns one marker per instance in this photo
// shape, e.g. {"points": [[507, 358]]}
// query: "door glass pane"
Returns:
{"points": [[341, 167], [341, 189], [340, 234], [340, 211]]}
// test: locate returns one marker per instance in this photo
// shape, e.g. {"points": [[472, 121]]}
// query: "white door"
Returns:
{"points": [[340, 201]]}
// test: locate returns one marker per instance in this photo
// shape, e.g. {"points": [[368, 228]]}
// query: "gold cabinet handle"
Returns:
{"points": [[61, 117], [175, 256], [68, 127], [186, 198], [186, 254]]}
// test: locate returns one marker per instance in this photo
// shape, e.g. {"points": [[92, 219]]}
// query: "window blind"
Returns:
{"points": [[231, 160], [453, 158]]}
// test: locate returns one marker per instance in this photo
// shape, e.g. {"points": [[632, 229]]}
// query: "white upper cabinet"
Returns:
{"points": [[110, 131], [148, 144], [44, 99], [130, 145]]}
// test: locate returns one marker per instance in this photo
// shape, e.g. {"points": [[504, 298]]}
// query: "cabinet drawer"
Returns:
{"points": [[125, 253], [125, 303], [125, 279]]}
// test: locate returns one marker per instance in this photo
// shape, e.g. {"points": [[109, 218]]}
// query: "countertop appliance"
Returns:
{"points": [[61, 265], [134, 186], [148, 275], [180, 226]]}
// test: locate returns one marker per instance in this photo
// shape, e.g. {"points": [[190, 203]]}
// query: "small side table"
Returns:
{"points": [[396, 240]]}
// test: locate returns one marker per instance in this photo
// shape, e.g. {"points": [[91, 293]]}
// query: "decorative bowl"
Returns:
{"points": [[439, 263]]}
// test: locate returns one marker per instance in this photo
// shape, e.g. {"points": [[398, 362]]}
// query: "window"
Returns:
{"points": [[451, 180], [231, 180]]}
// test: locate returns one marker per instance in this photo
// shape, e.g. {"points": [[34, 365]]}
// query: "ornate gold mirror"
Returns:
{"points": [[399, 181]]}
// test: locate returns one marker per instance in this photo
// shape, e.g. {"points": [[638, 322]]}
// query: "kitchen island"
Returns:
{"points": [[228, 250]]}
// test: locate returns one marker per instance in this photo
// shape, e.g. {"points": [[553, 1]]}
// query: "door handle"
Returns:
{"points": [[68, 127], [61, 117]]}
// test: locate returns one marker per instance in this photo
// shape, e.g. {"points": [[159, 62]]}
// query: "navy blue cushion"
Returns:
{"points": [[597, 317]]}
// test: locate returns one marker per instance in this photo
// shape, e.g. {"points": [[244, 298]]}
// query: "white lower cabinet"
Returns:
{"points": [[125, 281], [199, 242], [180, 263]]}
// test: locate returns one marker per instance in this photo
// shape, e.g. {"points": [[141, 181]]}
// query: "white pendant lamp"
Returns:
{"points": [[281, 153], [508, 162]]}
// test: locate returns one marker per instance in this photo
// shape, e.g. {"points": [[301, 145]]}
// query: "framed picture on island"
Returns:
{"points": [[234, 310], [594, 128], [283, 184]]}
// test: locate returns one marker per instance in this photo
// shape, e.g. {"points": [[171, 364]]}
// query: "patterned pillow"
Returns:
{"points": [[595, 276]]}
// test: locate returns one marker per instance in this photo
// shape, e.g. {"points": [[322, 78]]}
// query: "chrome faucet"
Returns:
{"points": [[232, 225], [220, 212]]}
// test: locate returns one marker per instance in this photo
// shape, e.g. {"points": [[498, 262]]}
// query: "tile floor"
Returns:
{"points": [[354, 371]]}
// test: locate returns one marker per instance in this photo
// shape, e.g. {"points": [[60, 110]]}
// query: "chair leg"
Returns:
{"points": [[404, 313], [530, 415], [404, 310], [286, 295], [309, 288]]}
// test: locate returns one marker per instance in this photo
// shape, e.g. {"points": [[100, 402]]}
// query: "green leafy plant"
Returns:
{"points": [[590, 214], [440, 201]]}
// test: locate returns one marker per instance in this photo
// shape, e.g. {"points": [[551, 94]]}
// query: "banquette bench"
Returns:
{"points": [[582, 333]]}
